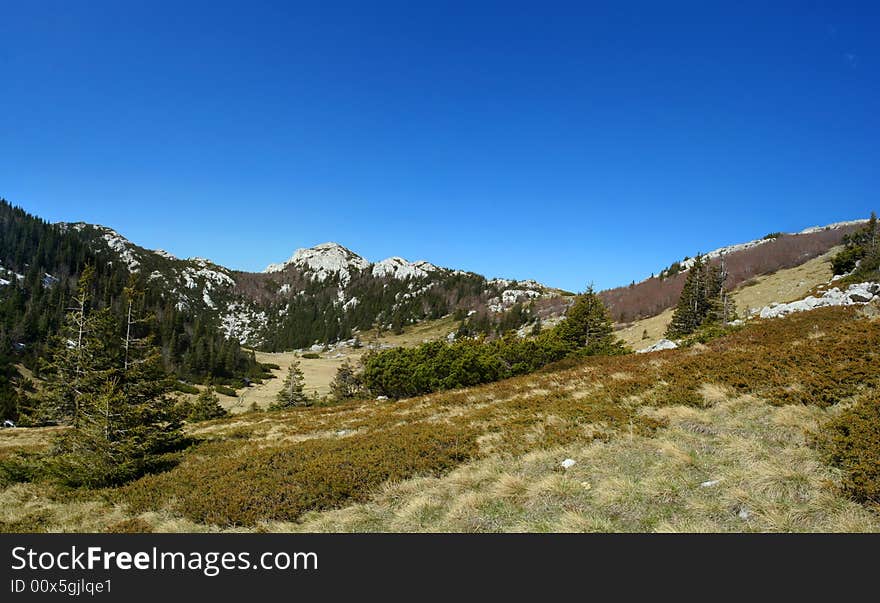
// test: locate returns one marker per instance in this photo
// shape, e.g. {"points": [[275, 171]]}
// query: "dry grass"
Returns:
{"points": [[646, 432], [759, 473], [783, 286]]}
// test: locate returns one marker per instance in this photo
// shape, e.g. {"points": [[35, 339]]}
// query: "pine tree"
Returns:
{"points": [[702, 299], [206, 407], [587, 326], [347, 384], [113, 396], [291, 393]]}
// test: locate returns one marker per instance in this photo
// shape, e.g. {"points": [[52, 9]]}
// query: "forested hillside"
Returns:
{"points": [[41, 264]]}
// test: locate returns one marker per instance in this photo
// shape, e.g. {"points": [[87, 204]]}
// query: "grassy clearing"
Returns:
{"points": [[646, 432], [318, 373]]}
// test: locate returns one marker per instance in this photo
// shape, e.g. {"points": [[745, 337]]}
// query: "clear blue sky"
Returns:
{"points": [[564, 142]]}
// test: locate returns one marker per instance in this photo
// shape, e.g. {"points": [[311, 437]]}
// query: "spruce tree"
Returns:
{"points": [[347, 384], [120, 418], [291, 393], [206, 407], [587, 326], [702, 299]]}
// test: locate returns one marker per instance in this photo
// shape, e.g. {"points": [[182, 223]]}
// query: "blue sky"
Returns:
{"points": [[567, 142]]}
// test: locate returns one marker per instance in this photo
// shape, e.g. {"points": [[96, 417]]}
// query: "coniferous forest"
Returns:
{"points": [[42, 264]]}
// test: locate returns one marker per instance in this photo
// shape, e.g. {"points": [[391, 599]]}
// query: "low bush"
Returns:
{"points": [[20, 468], [851, 442], [441, 365], [311, 356], [185, 388], [226, 391], [221, 487]]}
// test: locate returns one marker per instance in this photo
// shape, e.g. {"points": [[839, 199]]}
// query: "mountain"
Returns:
{"points": [[320, 295], [203, 313]]}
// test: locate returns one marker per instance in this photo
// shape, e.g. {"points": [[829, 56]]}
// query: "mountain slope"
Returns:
{"points": [[742, 262], [710, 438]]}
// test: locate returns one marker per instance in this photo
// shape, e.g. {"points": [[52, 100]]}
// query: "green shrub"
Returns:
{"points": [[851, 442], [441, 365], [226, 391], [311, 355], [185, 388], [222, 488], [20, 468]]}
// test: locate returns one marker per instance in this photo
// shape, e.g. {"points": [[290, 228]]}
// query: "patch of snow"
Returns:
{"points": [[164, 254], [122, 247], [207, 299], [512, 296], [567, 463]]}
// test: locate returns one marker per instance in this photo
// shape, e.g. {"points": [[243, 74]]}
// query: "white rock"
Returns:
{"points": [[381, 398], [402, 269], [663, 344], [855, 294], [710, 483], [568, 463]]}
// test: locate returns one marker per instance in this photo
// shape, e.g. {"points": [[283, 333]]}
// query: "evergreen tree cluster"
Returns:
{"points": [[861, 252], [112, 393], [703, 300], [316, 316], [51, 259], [439, 365]]}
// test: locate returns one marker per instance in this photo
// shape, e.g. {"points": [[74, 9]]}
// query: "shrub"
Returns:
{"points": [[226, 391], [185, 388], [20, 468], [441, 365], [852, 443], [311, 355], [222, 488]]}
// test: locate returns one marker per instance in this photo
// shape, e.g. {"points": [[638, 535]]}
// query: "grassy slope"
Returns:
{"points": [[782, 286], [646, 432]]}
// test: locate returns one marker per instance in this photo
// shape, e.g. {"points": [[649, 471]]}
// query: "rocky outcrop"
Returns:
{"points": [[860, 293], [663, 344]]}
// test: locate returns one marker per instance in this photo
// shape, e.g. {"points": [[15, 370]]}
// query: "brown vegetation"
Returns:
{"points": [[652, 296], [624, 418]]}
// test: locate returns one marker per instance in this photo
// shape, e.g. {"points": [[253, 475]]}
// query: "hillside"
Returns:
{"points": [[715, 437], [743, 262], [780, 286]]}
